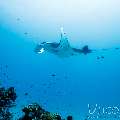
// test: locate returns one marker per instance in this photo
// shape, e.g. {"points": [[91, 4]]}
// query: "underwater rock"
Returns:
{"points": [[69, 118], [7, 100], [31, 112], [36, 112], [7, 96]]}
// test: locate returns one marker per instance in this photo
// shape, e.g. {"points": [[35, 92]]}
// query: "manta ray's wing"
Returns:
{"points": [[64, 44]]}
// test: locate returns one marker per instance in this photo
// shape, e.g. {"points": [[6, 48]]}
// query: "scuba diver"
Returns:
{"points": [[61, 49]]}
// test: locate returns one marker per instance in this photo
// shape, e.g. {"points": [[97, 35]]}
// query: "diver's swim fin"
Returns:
{"points": [[64, 40]]}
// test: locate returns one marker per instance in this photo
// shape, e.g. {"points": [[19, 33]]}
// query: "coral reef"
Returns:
{"points": [[7, 100], [35, 112], [31, 112]]}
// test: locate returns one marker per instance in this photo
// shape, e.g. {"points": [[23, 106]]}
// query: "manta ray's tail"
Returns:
{"points": [[86, 50]]}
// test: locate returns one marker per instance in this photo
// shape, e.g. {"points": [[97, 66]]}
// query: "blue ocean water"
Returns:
{"points": [[61, 85]]}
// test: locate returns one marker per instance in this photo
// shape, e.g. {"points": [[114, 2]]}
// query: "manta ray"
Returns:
{"points": [[62, 48]]}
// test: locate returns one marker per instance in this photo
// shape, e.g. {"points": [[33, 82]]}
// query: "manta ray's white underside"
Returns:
{"points": [[41, 50]]}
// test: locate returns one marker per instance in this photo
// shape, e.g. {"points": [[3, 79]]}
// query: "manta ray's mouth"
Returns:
{"points": [[41, 50]]}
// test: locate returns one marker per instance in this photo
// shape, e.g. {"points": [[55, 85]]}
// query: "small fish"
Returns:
{"points": [[53, 75], [117, 48], [102, 57], [26, 33], [98, 57], [26, 94], [18, 19]]}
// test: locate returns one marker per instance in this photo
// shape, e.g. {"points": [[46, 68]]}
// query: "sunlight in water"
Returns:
{"points": [[93, 22]]}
